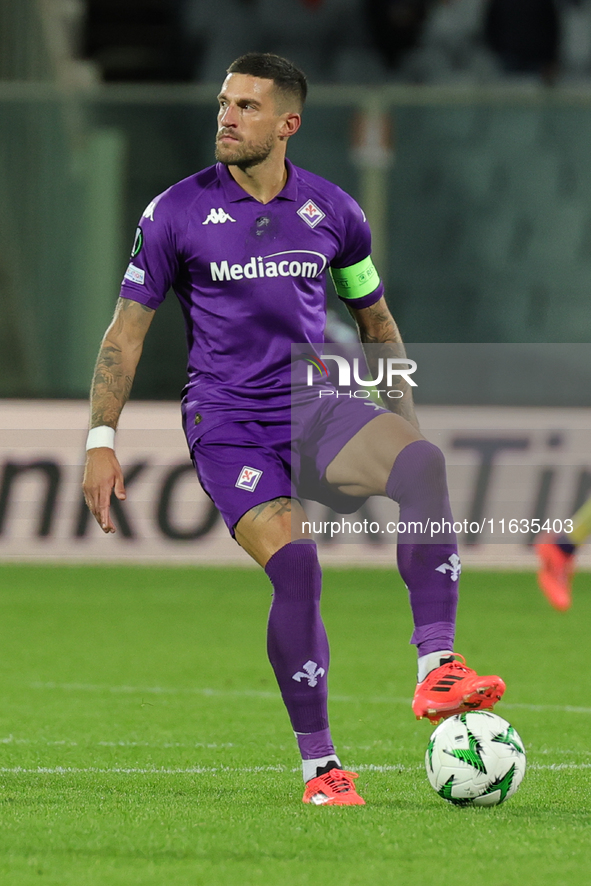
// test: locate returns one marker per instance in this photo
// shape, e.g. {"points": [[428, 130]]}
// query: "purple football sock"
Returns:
{"points": [[298, 646], [565, 544], [430, 570]]}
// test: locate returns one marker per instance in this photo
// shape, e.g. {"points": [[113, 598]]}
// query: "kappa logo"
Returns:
{"points": [[311, 672], [149, 210], [311, 214], [454, 569], [248, 479], [218, 217]]}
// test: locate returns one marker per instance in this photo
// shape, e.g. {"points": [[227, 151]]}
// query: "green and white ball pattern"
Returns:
{"points": [[475, 759]]}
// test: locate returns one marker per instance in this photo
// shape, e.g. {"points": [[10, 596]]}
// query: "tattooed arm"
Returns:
{"points": [[114, 372], [117, 361], [377, 328]]}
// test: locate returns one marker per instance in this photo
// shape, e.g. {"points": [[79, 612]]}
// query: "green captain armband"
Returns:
{"points": [[355, 281]]}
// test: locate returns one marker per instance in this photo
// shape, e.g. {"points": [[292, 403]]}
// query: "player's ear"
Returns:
{"points": [[290, 123]]}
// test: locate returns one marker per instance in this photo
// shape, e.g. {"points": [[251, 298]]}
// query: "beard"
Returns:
{"points": [[244, 154]]}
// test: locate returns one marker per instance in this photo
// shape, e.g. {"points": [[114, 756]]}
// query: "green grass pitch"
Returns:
{"points": [[143, 741]]}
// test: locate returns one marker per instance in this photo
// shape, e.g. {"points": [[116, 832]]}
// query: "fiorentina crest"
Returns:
{"points": [[248, 479], [310, 213], [311, 673], [454, 567]]}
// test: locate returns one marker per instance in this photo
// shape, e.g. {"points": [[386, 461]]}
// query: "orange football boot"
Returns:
{"points": [[555, 574], [454, 688], [333, 788]]}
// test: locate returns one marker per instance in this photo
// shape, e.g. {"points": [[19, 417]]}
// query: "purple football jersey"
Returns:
{"points": [[251, 280]]}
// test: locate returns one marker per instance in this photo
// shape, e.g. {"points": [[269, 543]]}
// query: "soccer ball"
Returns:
{"points": [[475, 759]]}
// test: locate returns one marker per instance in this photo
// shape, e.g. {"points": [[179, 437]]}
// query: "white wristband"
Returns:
{"points": [[103, 436]]}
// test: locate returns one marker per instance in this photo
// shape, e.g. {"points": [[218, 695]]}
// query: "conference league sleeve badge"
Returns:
{"points": [[138, 242]]}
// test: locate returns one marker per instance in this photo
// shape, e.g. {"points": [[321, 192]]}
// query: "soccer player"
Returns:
{"points": [[245, 244], [557, 559]]}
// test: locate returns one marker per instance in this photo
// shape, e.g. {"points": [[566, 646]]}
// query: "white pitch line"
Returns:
{"points": [[154, 690], [567, 708], [255, 693], [555, 767], [191, 770], [552, 752], [206, 692], [11, 739], [215, 770]]}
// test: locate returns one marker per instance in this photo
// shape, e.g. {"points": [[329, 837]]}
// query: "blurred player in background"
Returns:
{"points": [[557, 559], [245, 244]]}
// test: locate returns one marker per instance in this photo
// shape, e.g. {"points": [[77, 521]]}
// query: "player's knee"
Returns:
{"points": [[419, 466], [295, 570], [431, 459], [299, 558]]}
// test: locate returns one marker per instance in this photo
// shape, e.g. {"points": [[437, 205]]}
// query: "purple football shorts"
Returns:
{"points": [[242, 464]]}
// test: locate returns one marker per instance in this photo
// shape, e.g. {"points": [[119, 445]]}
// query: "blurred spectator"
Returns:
{"points": [[346, 41], [396, 26], [312, 33], [326, 38], [525, 35], [133, 39], [450, 48], [215, 32], [575, 47]]}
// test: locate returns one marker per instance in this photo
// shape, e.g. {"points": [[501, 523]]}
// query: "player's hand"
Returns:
{"points": [[102, 475]]}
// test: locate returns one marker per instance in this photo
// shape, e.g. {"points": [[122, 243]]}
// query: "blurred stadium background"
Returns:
{"points": [[463, 127]]}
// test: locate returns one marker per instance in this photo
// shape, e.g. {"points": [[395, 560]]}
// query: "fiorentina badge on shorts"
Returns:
{"points": [[310, 213], [248, 479]]}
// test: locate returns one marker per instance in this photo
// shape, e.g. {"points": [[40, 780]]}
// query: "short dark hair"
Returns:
{"points": [[288, 79]]}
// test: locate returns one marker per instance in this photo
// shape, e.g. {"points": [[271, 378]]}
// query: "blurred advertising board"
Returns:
{"points": [[511, 471]]}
